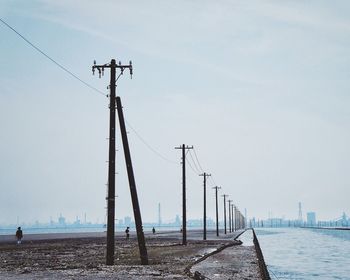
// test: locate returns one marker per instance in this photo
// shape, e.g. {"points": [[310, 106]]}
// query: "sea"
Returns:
{"points": [[306, 253]]}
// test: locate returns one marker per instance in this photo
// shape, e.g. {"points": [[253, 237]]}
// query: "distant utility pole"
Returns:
{"points": [[205, 175], [184, 148], [232, 218], [111, 162], [217, 209], [225, 195], [235, 213], [229, 214]]}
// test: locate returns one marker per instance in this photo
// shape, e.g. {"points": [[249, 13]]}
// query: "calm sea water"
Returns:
{"points": [[292, 253]]}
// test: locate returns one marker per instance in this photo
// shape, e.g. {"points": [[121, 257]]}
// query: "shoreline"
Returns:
{"points": [[192, 234], [84, 257]]}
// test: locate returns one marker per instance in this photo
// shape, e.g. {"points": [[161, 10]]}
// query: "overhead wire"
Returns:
{"points": [[148, 145], [194, 171], [195, 154], [201, 168], [52, 60], [212, 180], [194, 163], [85, 83], [65, 69]]}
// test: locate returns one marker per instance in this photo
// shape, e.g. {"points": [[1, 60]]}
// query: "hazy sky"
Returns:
{"points": [[259, 88]]}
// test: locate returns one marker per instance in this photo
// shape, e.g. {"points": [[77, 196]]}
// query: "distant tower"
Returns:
{"points": [[159, 216], [300, 216]]}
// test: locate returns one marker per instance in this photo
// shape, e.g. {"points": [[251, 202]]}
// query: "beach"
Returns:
{"points": [[82, 256]]}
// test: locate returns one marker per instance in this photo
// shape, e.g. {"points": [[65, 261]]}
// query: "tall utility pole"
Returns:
{"points": [[229, 214], [111, 162], [132, 184], [184, 221], [205, 175], [225, 195], [217, 209]]}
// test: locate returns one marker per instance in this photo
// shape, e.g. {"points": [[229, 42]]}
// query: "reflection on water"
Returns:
{"points": [[293, 253]]}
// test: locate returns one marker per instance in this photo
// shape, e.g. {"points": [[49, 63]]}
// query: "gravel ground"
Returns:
{"points": [[84, 258]]}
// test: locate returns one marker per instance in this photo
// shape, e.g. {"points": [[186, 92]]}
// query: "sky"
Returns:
{"points": [[259, 88]]}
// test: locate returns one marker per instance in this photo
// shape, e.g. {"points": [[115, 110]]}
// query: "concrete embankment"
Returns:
{"points": [[231, 261], [262, 265]]}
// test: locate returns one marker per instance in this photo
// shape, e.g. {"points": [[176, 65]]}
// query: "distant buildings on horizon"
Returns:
{"points": [[311, 221]]}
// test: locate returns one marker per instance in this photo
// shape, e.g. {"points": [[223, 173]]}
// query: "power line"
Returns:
{"points": [[213, 181], [189, 163], [148, 145], [195, 154], [194, 163], [51, 59]]}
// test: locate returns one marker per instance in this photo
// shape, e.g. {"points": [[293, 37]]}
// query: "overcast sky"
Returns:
{"points": [[259, 88]]}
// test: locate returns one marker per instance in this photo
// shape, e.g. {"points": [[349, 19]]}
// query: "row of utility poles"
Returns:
{"points": [[236, 219]]}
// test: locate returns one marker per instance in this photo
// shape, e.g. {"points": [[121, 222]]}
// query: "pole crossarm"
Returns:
{"points": [[101, 68]]}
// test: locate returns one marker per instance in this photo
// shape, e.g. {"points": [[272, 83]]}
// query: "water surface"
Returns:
{"points": [[294, 253]]}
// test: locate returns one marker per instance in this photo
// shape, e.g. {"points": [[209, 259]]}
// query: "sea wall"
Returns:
{"points": [[262, 266]]}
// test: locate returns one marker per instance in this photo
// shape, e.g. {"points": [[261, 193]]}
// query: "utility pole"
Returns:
{"points": [[111, 162], [205, 175], [225, 195], [229, 214], [184, 221], [217, 209], [132, 184], [235, 213], [232, 218]]}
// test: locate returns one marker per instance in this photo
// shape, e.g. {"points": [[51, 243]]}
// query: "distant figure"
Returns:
{"points": [[127, 233], [181, 229], [154, 230], [19, 235]]}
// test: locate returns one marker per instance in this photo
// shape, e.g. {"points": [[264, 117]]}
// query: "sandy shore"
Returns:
{"points": [[82, 256]]}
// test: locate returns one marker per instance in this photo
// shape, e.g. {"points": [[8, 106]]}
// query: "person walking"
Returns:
{"points": [[154, 230], [127, 233], [19, 235]]}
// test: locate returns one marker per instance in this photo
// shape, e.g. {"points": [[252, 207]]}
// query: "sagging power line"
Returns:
{"points": [[65, 69]]}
